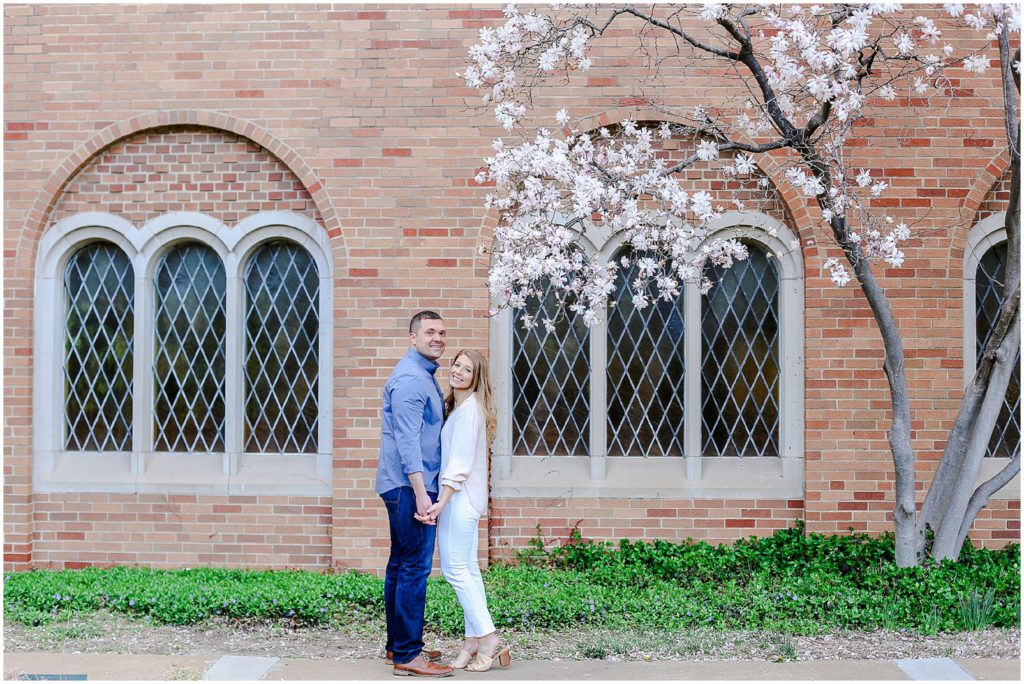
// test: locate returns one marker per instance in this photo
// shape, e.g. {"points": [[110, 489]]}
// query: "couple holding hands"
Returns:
{"points": [[432, 477]]}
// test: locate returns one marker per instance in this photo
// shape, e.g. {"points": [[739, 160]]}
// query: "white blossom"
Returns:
{"points": [[976, 64], [904, 43], [712, 11], [975, 21], [895, 258], [929, 31], [809, 185], [744, 165], [547, 189], [839, 274], [707, 150]]}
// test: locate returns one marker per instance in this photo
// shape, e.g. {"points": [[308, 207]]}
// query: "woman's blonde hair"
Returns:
{"points": [[481, 385]]}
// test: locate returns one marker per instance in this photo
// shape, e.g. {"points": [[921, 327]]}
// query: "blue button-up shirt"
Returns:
{"points": [[411, 425]]}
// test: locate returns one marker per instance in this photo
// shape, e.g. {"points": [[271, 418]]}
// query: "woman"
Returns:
{"points": [[468, 429]]}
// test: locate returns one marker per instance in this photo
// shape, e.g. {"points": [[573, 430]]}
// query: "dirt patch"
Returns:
{"points": [[112, 633]]}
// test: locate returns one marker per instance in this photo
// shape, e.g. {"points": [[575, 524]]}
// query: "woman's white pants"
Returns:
{"points": [[459, 542]]}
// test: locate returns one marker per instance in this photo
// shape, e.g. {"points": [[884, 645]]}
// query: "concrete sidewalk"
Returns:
{"points": [[213, 668]]}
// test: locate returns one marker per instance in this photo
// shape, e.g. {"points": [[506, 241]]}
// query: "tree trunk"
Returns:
{"points": [[947, 535], [945, 499], [905, 511]]}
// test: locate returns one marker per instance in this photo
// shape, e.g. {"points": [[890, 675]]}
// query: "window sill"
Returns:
{"points": [[652, 478], [173, 473], [647, 478]]}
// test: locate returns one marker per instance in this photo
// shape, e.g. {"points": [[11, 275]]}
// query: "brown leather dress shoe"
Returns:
{"points": [[421, 667], [430, 654]]}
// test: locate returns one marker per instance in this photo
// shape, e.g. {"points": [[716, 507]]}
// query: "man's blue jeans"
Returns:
{"points": [[405, 581]]}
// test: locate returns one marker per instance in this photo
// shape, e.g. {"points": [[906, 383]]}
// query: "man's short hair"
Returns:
{"points": [[414, 324]]}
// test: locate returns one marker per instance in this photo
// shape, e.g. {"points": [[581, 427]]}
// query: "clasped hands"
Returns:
{"points": [[429, 517]]}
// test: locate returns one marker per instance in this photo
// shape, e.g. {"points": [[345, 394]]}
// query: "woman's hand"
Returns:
{"points": [[435, 510]]}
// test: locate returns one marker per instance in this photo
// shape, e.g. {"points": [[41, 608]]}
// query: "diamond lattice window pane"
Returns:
{"points": [[188, 362], [646, 372], [282, 339], [740, 369], [99, 290], [551, 384], [989, 282]]}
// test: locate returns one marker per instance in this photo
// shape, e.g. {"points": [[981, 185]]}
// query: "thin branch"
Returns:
{"points": [[984, 492], [732, 145], [681, 33]]}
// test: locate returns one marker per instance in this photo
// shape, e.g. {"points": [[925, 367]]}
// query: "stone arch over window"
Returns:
{"points": [[189, 272], [601, 473]]}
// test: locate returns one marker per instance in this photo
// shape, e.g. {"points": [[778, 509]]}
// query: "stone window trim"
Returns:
{"points": [[983, 236], [694, 476], [141, 470]]}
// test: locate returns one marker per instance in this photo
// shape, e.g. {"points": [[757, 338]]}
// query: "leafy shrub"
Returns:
{"points": [[788, 583], [190, 596], [794, 580]]}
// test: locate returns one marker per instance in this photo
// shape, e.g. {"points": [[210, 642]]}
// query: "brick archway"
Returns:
{"points": [[49, 194], [987, 179]]}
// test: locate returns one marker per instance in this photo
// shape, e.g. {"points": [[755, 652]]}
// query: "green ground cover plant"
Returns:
{"points": [[791, 582]]}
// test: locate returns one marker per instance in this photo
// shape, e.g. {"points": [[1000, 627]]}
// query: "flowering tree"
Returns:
{"points": [[806, 75]]}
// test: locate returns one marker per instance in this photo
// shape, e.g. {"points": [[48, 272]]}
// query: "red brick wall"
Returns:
{"points": [[997, 198], [354, 117], [177, 530], [514, 521], [184, 168]]}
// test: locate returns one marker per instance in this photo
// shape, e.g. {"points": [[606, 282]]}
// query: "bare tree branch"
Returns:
{"points": [[984, 492], [681, 33]]}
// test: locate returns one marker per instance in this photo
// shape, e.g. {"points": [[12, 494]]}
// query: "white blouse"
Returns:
{"points": [[464, 452]]}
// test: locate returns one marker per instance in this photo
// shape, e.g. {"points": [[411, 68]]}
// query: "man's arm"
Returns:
{"points": [[407, 404], [423, 502]]}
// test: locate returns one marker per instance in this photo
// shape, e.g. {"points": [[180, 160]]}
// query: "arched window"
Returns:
{"points": [[713, 380], [99, 288], [282, 362], [740, 359], [989, 280], [646, 371], [185, 356]]}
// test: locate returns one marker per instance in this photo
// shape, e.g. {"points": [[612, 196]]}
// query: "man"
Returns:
{"points": [[407, 472]]}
